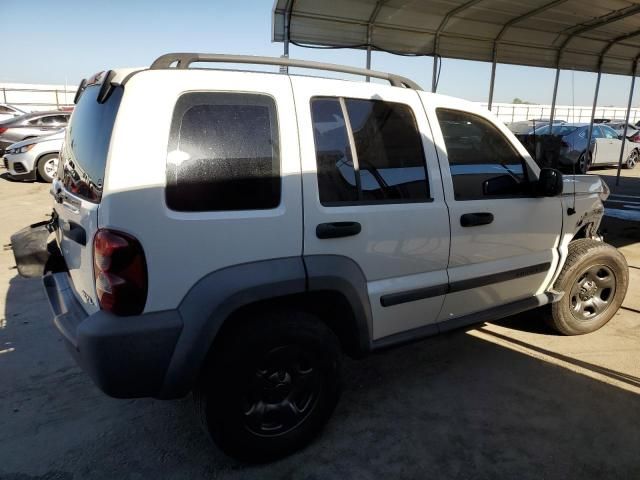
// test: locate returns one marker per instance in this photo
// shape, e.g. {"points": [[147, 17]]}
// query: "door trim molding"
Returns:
{"points": [[398, 298], [495, 313]]}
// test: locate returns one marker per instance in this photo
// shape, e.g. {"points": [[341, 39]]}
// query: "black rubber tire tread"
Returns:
{"points": [[628, 166], [582, 253], [41, 161], [587, 164], [214, 406]]}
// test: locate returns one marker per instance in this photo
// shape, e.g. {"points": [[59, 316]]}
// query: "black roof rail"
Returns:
{"points": [[183, 60]]}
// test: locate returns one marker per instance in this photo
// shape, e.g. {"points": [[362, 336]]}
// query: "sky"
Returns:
{"points": [[63, 41]]}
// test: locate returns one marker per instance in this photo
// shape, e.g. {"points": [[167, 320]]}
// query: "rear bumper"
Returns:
{"points": [[126, 357]]}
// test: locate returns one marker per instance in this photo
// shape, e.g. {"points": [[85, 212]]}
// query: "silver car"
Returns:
{"points": [[9, 112], [31, 125], [34, 159]]}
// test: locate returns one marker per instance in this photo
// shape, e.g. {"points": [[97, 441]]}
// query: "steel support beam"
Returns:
{"points": [[626, 120], [436, 39], [507, 26], [370, 23], [593, 114], [596, 23], [434, 74], [553, 101], [368, 79], [492, 82], [287, 35]]}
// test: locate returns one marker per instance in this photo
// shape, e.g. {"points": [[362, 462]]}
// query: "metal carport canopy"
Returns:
{"points": [[587, 35], [600, 36]]}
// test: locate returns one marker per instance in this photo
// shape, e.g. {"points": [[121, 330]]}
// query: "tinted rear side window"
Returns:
{"points": [[84, 157], [223, 153], [389, 165], [390, 156], [336, 174]]}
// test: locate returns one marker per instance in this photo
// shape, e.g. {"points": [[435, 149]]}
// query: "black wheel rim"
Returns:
{"points": [[592, 292], [282, 390]]}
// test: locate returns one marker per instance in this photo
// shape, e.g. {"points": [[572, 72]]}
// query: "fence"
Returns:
{"points": [[516, 112], [37, 97], [47, 97]]}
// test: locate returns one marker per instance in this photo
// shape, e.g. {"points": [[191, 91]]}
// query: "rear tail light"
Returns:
{"points": [[120, 272], [2, 130], [636, 138]]}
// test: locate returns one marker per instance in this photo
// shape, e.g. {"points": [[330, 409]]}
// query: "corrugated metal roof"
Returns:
{"points": [[571, 34]]}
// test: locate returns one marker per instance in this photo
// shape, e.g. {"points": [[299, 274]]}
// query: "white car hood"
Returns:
{"points": [[59, 135], [584, 184]]}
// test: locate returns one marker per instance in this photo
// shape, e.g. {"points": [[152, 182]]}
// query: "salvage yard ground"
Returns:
{"points": [[506, 399]]}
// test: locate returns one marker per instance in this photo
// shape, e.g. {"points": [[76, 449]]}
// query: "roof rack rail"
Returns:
{"points": [[183, 60]]}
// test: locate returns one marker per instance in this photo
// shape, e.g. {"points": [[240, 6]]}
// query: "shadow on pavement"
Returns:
{"points": [[450, 406]]}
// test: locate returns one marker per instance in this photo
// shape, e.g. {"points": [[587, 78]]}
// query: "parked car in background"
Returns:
{"points": [[8, 112], [34, 159], [633, 132], [31, 125], [527, 126], [605, 146]]}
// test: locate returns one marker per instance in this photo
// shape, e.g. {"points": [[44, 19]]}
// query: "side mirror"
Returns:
{"points": [[501, 185], [549, 183]]}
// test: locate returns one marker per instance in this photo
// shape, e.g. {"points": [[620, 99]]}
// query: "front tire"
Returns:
{"points": [[270, 385], [47, 167], [594, 280]]}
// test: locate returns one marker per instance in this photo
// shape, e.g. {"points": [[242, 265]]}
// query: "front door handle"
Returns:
{"points": [[475, 219], [338, 229]]}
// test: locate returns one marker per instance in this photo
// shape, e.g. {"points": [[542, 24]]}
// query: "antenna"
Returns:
{"points": [[572, 210]]}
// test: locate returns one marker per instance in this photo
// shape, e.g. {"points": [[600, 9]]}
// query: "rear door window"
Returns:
{"points": [[223, 153], [389, 163], [84, 157]]}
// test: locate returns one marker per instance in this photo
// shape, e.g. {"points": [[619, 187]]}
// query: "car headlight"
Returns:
{"points": [[24, 149]]}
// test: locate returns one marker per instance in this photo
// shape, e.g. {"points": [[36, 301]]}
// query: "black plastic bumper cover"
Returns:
{"points": [[126, 357]]}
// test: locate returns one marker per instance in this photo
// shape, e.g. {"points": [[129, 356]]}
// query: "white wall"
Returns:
{"points": [[509, 112], [30, 97]]}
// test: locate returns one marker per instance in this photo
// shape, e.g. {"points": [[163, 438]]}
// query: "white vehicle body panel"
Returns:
{"points": [[402, 247], [607, 150], [525, 232], [183, 247]]}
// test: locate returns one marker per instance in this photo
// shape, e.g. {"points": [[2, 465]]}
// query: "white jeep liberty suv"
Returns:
{"points": [[233, 233]]}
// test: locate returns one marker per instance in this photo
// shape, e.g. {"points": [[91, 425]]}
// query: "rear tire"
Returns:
{"points": [[47, 167], [594, 280], [270, 386], [584, 162]]}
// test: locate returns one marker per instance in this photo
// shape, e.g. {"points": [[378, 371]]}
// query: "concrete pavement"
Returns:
{"points": [[507, 399]]}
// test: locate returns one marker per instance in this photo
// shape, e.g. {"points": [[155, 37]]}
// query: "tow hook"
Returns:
{"points": [[53, 223]]}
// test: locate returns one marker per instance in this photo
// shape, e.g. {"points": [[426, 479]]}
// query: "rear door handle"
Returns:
{"points": [[338, 229], [475, 219]]}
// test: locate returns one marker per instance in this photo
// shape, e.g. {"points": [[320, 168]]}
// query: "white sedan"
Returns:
{"points": [[35, 158], [607, 146]]}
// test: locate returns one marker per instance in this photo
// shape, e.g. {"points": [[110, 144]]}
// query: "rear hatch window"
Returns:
{"points": [[84, 157]]}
